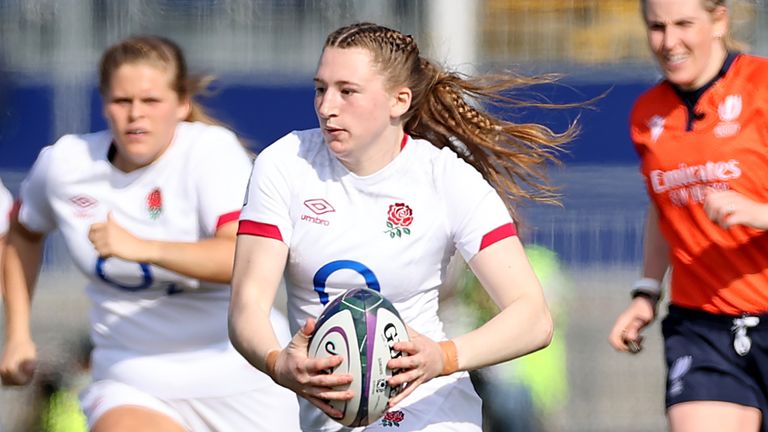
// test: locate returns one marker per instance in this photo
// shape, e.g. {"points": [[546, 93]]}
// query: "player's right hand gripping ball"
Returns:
{"points": [[361, 326]]}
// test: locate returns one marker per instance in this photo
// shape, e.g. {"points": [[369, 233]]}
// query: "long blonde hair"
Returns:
{"points": [[446, 109], [165, 54]]}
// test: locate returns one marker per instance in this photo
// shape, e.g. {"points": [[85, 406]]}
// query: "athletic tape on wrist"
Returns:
{"points": [[450, 357], [271, 362]]}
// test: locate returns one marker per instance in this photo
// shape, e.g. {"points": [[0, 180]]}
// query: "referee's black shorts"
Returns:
{"points": [[703, 363]]}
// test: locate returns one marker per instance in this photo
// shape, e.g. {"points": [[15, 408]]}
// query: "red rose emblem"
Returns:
{"points": [[400, 215], [394, 416], [155, 203], [154, 199]]}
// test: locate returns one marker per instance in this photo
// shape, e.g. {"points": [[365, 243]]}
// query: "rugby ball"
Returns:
{"points": [[361, 326]]}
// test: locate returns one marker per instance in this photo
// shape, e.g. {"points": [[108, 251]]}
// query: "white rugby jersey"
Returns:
{"points": [[394, 231], [6, 204], [150, 326]]}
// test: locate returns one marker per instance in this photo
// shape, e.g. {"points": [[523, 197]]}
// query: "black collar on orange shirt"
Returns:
{"points": [[691, 97]]}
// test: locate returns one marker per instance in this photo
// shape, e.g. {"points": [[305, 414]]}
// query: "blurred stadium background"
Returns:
{"points": [[264, 53]]}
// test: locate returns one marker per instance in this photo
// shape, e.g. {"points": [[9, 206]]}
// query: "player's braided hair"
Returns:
{"points": [[449, 109], [163, 53]]}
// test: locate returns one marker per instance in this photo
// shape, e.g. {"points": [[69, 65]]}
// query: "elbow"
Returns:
{"points": [[546, 330], [234, 336], [222, 278]]}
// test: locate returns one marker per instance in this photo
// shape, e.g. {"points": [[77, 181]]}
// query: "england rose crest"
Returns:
{"points": [[155, 203], [393, 418], [399, 218]]}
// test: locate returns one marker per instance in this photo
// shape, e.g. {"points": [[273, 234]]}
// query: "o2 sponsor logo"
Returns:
{"points": [[147, 279], [321, 276]]}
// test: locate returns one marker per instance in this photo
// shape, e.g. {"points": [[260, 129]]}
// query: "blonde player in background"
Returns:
{"points": [[382, 194], [148, 210], [701, 137]]}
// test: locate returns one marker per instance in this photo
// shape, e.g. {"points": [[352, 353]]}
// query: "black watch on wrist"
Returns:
{"points": [[650, 295]]}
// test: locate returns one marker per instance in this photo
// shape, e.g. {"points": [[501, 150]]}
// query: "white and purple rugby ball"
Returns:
{"points": [[361, 326]]}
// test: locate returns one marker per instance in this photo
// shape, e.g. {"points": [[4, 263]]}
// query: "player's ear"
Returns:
{"points": [[720, 22], [401, 102], [184, 109]]}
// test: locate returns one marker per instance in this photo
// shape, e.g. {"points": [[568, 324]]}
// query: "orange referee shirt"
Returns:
{"points": [[721, 143]]}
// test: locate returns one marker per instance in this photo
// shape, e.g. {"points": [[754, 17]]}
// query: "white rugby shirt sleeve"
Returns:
{"points": [[35, 211], [476, 214], [267, 207], [221, 174], [6, 204]]}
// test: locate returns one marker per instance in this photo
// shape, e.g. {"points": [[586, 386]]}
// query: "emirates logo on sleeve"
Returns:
{"points": [[399, 218], [155, 203]]}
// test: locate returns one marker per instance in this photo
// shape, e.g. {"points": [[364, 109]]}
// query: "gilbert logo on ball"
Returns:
{"points": [[361, 326]]}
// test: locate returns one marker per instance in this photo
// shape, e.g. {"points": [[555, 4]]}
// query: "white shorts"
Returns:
{"points": [[444, 404], [251, 411]]}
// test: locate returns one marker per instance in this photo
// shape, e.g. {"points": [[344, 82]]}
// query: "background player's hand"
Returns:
{"points": [[625, 335], [18, 364], [728, 208], [423, 362], [112, 240], [310, 378]]}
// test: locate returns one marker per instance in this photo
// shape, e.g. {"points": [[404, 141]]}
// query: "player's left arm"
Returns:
{"points": [[208, 259], [523, 325]]}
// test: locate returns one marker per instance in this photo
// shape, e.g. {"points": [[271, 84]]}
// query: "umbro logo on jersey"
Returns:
{"points": [[83, 204], [83, 201], [729, 110], [319, 206], [315, 220]]}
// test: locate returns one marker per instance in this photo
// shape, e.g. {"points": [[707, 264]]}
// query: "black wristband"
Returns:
{"points": [[639, 292]]}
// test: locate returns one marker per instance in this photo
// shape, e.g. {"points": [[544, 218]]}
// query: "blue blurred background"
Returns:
{"points": [[263, 112]]}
